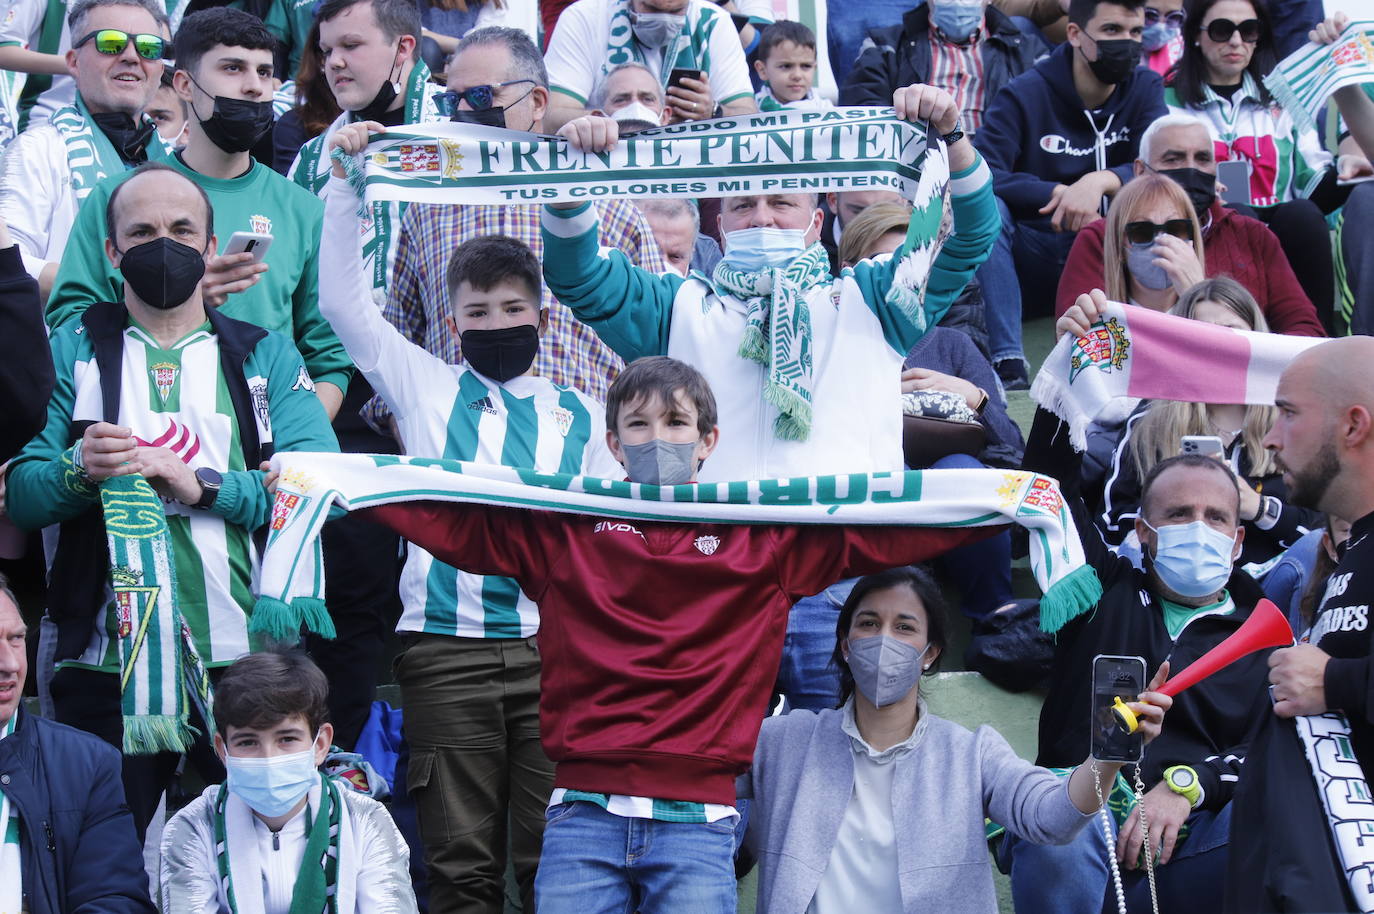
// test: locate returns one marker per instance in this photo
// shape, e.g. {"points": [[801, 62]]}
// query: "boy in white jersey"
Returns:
{"points": [[469, 675], [278, 835]]}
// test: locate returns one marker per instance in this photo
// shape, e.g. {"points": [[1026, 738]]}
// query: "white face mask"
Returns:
{"points": [[636, 112], [754, 249]]}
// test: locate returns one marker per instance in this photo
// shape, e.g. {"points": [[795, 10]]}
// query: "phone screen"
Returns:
{"points": [[1236, 176], [678, 74], [1115, 676]]}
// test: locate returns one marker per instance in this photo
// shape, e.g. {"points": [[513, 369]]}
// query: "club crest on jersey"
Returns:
{"points": [[562, 418], [707, 545], [261, 224], [257, 389], [164, 377]]}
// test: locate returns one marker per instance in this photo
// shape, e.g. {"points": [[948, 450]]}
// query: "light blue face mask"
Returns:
{"points": [[271, 786], [957, 20], [1140, 260], [1157, 36], [1193, 560], [885, 670], [754, 249]]}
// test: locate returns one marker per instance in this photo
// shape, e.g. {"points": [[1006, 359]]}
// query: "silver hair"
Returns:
{"points": [[598, 99], [77, 13], [671, 208], [525, 60], [1177, 119]]}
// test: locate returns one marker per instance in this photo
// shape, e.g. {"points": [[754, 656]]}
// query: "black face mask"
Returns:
{"points": [[487, 117], [163, 273], [381, 102], [130, 140], [1117, 58], [1201, 187], [501, 354], [237, 123]]}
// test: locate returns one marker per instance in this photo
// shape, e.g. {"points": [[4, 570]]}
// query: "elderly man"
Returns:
{"points": [[67, 841], [51, 168], [631, 92], [677, 227], [1179, 145], [595, 36], [1284, 855], [160, 384]]}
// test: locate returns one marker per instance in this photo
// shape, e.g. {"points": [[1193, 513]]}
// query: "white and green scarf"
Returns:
{"points": [[240, 869], [777, 332], [11, 856], [1305, 79], [1345, 798], [690, 48], [159, 668], [312, 484], [790, 151], [90, 155]]}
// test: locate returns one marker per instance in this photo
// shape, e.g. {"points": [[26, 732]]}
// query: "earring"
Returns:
{"points": [[926, 667]]}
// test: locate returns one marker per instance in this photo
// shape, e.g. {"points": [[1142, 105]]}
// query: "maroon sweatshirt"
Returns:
{"points": [[1235, 246], [660, 642]]}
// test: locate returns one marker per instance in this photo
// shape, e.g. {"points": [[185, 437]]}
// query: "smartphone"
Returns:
{"points": [[1235, 174], [1115, 676], [254, 243], [1205, 445], [678, 74]]}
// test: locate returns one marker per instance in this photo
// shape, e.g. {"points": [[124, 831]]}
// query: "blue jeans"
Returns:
{"points": [[806, 677], [598, 863], [1021, 274], [982, 570], [1073, 877]]}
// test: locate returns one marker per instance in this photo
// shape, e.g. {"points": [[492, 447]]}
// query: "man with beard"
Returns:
{"points": [[1283, 852]]}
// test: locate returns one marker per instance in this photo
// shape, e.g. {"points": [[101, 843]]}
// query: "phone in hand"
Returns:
{"points": [[678, 74], [1205, 445], [1115, 676], [255, 243], [1235, 174]]}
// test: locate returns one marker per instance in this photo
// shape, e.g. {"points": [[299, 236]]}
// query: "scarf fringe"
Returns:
{"points": [[152, 733], [753, 346], [794, 413], [1071, 596], [1052, 393], [277, 620]]}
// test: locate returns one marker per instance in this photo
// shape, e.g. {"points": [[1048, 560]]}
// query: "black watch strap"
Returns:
{"points": [[210, 481], [953, 136]]}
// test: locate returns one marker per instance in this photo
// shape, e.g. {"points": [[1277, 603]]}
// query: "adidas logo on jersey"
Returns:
{"points": [[484, 405]]}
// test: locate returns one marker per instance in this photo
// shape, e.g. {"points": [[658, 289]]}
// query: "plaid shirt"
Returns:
{"points": [[958, 69], [570, 352]]}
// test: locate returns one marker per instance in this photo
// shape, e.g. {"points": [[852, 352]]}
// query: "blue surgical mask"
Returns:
{"points": [[1192, 560], [271, 786], [1140, 260], [659, 462], [955, 19], [1157, 36], [754, 249], [885, 670]]}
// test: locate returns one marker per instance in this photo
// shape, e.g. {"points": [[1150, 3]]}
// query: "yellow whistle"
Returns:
{"points": [[1125, 717]]}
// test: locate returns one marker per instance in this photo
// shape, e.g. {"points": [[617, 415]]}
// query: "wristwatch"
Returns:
{"points": [[953, 136], [1183, 781], [210, 481], [1270, 511]]}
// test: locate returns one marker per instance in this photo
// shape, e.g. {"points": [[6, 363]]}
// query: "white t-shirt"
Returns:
{"points": [[22, 24], [578, 51]]}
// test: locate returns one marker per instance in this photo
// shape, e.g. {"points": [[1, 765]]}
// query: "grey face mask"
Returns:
{"points": [[885, 670], [659, 462], [1143, 269], [654, 30]]}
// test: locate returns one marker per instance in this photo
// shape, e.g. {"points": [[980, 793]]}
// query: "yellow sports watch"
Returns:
{"points": [[1183, 781]]}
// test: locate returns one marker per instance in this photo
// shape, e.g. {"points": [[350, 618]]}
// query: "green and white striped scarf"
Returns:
{"points": [[777, 332], [689, 49], [159, 667], [310, 485], [236, 854], [11, 859], [1305, 79], [90, 154]]}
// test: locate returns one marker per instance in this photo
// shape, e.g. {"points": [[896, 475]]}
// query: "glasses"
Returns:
{"points": [[1146, 232], [1221, 30], [113, 41], [1173, 20], [479, 98]]}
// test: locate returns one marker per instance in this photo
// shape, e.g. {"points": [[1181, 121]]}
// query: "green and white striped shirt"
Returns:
{"points": [[645, 807], [11, 881]]}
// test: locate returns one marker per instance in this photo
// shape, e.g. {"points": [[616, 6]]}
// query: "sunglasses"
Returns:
{"points": [[1146, 232], [113, 41], [1173, 20], [479, 98], [1221, 30]]}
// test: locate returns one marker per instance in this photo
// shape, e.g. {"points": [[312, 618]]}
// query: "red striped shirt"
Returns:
{"points": [[958, 69]]}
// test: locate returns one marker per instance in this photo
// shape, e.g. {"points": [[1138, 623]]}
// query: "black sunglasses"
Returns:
{"points": [[1173, 20], [1221, 30], [479, 98], [113, 41], [1145, 232]]}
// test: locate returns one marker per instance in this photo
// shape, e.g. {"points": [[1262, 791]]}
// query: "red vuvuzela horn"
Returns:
{"points": [[1266, 627]]}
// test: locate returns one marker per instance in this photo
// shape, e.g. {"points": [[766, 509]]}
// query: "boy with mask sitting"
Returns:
{"points": [[660, 643], [470, 664], [278, 835]]}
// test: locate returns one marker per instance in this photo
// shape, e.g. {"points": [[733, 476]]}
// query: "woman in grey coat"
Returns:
{"points": [[883, 804]]}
